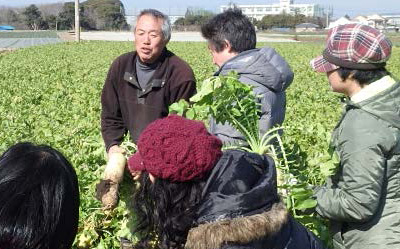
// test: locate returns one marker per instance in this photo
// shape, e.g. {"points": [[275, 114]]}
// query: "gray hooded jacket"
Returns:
{"points": [[270, 75]]}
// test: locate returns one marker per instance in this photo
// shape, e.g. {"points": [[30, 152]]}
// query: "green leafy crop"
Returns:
{"points": [[51, 95]]}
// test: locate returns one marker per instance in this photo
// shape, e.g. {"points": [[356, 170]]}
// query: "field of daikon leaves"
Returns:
{"points": [[51, 95]]}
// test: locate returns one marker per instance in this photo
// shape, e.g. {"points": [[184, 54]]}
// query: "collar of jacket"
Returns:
{"points": [[393, 89], [240, 230], [159, 77], [373, 89]]}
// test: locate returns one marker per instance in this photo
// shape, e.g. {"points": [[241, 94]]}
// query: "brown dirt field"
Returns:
{"points": [[66, 36]]}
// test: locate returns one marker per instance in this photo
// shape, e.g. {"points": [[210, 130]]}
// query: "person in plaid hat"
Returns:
{"points": [[192, 195], [362, 199]]}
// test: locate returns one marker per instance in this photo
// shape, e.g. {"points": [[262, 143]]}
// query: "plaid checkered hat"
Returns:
{"points": [[353, 46]]}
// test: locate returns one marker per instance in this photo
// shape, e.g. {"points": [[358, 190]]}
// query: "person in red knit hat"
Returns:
{"points": [[192, 195]]}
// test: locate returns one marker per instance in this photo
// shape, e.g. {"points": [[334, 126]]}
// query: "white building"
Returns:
{"points": [[392, 19], [258, 11], [341, 21], [382, 22], [377, 21], [361, 19]]}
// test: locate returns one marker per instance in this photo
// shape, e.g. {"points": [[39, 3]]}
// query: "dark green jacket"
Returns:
{"points": [[362, 199]]}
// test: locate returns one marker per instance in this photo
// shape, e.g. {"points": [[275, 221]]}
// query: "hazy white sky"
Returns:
{"points": [[340, 7]]}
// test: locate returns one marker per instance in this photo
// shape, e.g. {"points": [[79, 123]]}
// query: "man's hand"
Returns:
{"points": [[115, 149]]}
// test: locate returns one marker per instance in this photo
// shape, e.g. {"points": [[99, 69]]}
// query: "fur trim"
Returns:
{"points": [[241, 230]]}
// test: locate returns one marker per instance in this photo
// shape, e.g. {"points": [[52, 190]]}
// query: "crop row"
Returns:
{"points": [[51, 95]]}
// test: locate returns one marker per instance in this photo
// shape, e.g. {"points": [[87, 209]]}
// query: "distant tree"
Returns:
{"points": [[297, 19], [198, 12], [319, 21], [285, 21], [11, 16], [189, 12], [94, 14], [105, 14], [52, 22], [51, 9], [66, 17], [33, 17], [42, 24], [194, 17], [115, 21], [180, 21]]}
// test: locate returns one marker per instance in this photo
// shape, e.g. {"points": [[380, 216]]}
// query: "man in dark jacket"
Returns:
{"points": [[362, 199], [140, 85], [232, 40]]}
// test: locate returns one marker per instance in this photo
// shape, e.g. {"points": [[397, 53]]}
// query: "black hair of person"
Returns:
{"points": [[363, 77], [39, 198], [233, 26], [165, 211]]}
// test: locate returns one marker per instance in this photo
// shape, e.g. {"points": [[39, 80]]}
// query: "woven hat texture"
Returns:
{"points": [[353, 46], [177, 149]]}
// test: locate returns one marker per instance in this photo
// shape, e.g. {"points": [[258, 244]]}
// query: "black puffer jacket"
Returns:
{"points": [[242, 210]]}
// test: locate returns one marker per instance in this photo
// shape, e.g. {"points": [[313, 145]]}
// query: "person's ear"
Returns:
{"points": [[351, 75], [152, 178], [227, 45]]}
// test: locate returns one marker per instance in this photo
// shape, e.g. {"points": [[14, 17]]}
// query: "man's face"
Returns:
{"points": [[219, 58], [149, 39], [336, 82]]}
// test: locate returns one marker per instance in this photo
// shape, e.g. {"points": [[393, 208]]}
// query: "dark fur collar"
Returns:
{"points": [[241, 230]]}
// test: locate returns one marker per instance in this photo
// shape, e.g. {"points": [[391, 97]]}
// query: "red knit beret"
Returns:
{"points": [[177, 149]]}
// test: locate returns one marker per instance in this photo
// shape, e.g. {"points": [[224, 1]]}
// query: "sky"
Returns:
{"points": [[340, 7]]}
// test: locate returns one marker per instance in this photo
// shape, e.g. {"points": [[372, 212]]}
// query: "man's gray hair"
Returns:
{"points": [[166, 26]]}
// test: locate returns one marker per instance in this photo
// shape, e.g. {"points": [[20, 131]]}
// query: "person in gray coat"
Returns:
{"points": [[232, 42], [362, 198]]}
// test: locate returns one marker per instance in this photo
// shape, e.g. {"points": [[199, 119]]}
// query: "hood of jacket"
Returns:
{"points": [[384, 105], [260, 67], [240, 202]]}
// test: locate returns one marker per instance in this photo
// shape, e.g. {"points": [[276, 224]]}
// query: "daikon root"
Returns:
{"points": [[107, 189], [115, 167]]}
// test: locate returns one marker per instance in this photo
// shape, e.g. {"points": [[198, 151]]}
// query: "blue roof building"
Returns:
{"points": [[5, 27]]}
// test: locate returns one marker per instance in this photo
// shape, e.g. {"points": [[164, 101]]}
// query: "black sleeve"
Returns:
{"points": [[112, 125], [185, 91]]}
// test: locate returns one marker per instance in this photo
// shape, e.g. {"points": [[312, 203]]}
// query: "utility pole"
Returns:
{"points": [[327, 20], [328, 14], [77, 24]]}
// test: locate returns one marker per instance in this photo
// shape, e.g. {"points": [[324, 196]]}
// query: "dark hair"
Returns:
{"points": [[233, 26], [165, 211], [364, 77], [39, 199]]}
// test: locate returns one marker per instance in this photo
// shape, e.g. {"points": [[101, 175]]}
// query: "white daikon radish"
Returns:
{"points": [[115, 167], [113, 175]]}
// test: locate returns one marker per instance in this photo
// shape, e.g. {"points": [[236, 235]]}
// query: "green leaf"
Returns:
{"points": [[190, 114], [179, 107], [305, 204]]}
